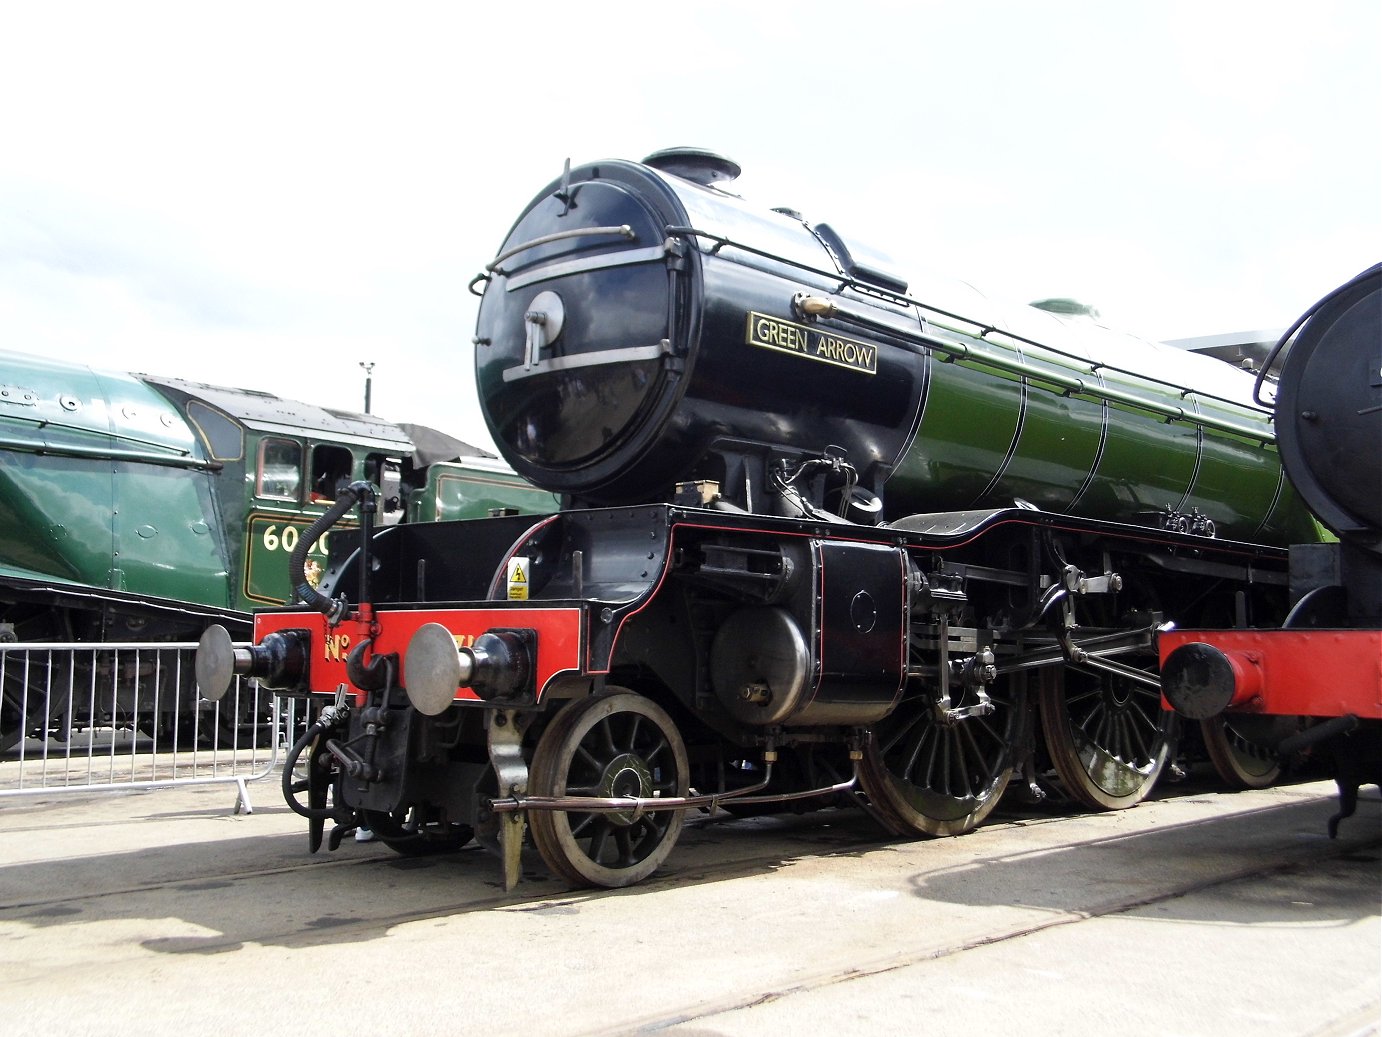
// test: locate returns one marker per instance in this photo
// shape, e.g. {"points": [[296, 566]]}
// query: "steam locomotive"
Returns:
{"points": [[1325, 660], [136, 508], [828, 536]]}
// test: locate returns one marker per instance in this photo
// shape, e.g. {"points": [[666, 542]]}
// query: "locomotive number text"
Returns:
{"points": [[287, 539]]}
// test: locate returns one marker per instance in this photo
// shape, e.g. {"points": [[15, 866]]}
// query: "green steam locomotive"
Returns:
{"points": [[136, 508]]}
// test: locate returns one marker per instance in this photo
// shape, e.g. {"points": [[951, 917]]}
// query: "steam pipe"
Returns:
{"points": [[1312, 736]]}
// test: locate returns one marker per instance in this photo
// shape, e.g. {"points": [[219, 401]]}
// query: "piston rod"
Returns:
{"points": [[642, 805]]}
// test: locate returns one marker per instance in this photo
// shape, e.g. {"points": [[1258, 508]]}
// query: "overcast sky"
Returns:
{"points": [[268, 194]]}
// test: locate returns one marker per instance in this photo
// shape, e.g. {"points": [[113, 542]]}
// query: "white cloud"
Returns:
{"points": [[268, 194]]}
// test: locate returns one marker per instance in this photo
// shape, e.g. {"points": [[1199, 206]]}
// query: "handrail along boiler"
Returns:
{"points": [[825, 534]]}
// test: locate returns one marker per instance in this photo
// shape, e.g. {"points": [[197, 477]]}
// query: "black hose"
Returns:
{"points": [[1312, 736], [290, 764], [336, 610]]}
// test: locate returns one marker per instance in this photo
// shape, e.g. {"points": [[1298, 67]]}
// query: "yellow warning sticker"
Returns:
{"points": [[518, 579]]}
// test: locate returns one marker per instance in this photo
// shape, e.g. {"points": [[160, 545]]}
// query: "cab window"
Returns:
{"points": [[331, 470], [387, 474], [280, 469]]}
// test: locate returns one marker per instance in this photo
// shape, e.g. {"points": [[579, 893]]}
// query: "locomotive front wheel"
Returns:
{"points": [[1108, 737], [395, 832], [610, 745], [1241, 764], [26, 706], [12, 712], [11, 730], [930, 775]]}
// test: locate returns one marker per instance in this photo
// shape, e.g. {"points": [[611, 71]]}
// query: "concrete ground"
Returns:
{"points": [[1203, 913]]}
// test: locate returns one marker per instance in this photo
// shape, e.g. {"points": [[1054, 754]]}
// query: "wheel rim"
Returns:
{"points": [[1108, 737], [929, 776], [618, 744], [1241, 763]]}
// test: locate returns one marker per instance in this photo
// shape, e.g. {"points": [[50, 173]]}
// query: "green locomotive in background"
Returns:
{"points": [[136, 508]]}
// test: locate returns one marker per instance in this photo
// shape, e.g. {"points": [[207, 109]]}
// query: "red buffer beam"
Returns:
{"points": [[1278, 672]]}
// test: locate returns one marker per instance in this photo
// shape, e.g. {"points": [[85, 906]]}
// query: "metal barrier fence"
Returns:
{"points": [[86, 717]]}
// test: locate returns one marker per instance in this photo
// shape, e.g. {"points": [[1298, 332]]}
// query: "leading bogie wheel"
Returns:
{"points": [[1240, 762], [617, 744], [928, 774], [12, 713], [1107, 736], [402, 833]]}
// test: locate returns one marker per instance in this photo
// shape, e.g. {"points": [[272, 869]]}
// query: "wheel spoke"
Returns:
{"points": [[984, 764], [606, 738], [960, 787], [1144, 751], [653, 753], [598, 836], [935, 747], [950, 765], [982, 725], [588, 759], [902, 731], [1123, 740], [924, 736], [624, 846], [1151, 720], [1096, 715]]}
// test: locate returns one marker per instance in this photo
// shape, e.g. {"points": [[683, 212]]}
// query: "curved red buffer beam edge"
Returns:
{"points": [[1319, 673]]}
